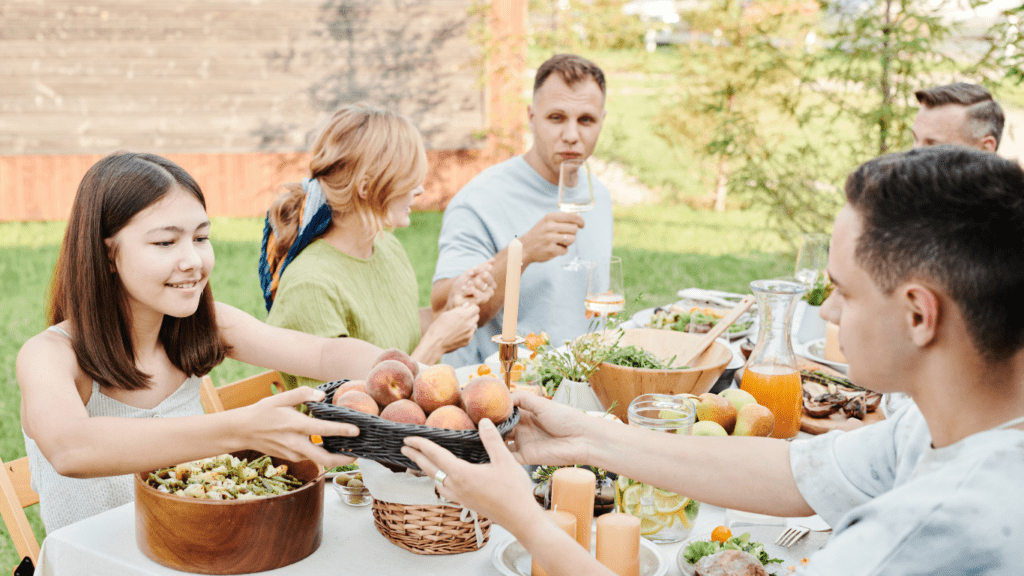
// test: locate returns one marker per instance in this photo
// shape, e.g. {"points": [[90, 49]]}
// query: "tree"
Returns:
{"points": [[786, 120]]}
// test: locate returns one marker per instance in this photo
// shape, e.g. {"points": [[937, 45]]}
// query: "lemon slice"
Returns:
{"points": [[681, 514], [631, 499], [622, 483], [668, 503], [654, 524]]}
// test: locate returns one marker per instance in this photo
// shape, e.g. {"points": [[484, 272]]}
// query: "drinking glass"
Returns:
{"points": [[664, 516], [812, 259], [575, 195], [606, 295]]}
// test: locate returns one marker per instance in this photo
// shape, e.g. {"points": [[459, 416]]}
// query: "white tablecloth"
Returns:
{"points": [[105, 544]]}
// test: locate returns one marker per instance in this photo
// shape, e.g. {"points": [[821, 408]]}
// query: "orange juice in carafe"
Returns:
{"points": [[778, 389], [771, 374]]}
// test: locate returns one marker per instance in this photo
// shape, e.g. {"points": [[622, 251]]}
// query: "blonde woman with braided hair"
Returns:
{"points": [[331, 267]]}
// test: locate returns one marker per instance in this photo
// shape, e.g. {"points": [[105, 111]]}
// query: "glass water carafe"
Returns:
{"points": [[771, 374]]}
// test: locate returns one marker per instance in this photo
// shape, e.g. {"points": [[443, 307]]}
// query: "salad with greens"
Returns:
{"points": [[699, 549]]}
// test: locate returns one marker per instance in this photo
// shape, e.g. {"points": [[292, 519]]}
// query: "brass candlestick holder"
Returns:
{"points": [[508, 352]]}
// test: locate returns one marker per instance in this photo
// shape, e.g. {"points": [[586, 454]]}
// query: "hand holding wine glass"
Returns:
{"points": [[575, 195]]}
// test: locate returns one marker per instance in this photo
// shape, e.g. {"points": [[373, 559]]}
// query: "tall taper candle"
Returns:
{"points": [[566, 522], [513, 269], [618, 543], [572, 490]]}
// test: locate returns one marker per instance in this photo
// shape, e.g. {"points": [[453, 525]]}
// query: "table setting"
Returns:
{"points": [[669, 375]]}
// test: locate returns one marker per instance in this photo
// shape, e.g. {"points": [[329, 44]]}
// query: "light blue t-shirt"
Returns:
{"points": [[900, 507], [504, 202]]}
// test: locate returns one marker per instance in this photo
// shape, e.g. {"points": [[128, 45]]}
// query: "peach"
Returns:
{"points": [[487, 397], [396, 354], [356, 400], [389, 381], [359, 385], [436, 386], [450, 417], [404, 411]]}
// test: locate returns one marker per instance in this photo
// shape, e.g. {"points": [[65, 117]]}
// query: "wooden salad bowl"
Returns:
{"points": [[232, 536], [621, 384]]}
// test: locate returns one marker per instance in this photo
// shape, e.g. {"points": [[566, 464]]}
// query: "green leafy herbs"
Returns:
{"points": [[577, 361], [820, 292], [634, 357], [543, 473], [345, 468], [699, 549]]}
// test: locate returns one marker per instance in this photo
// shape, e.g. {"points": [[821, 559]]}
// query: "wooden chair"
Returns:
{"points": [[241, 393], [16, 494]]}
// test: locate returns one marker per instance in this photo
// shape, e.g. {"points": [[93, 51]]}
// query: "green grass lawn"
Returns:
{"points": [[663, 249]]}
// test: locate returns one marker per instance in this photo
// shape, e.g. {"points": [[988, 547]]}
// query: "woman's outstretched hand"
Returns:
{"points": [[273, 426], [549, 433], [500, 490]]}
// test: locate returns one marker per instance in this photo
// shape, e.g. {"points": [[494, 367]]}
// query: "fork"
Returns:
{"points": [[793, 534]]}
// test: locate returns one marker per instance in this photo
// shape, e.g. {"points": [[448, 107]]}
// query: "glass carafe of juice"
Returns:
{"points": [[664, 516], [771, 373]]}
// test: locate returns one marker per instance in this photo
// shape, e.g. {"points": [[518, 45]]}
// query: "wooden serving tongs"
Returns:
{"points": [[687, 357]]}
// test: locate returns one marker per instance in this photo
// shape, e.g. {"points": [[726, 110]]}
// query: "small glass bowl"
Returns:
{"points": [[352, 496]]}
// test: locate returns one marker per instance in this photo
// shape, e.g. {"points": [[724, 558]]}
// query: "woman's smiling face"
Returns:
{"points": [[163, 256]]}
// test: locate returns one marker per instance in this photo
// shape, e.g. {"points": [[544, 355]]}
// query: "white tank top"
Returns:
{"points": [[64, 500]]}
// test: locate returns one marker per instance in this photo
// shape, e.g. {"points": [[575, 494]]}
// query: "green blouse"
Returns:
{"points": [[329, 293]]}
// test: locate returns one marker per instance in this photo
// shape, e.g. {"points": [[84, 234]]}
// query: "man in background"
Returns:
{"points": [[958, 113], [518, 198]]}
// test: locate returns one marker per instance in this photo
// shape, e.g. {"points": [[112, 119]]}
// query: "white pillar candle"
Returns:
{"points": [[513, 269]]}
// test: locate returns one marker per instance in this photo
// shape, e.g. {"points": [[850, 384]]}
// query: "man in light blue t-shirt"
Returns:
{"points": [[518, 198]]}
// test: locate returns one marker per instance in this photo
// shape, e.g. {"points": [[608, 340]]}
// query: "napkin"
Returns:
{"points": [[408, 489]]}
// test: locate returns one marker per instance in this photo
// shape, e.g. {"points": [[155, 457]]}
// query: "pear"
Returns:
{"points": [[754, 420], [716, 409], [739, 398], [708, 428]]}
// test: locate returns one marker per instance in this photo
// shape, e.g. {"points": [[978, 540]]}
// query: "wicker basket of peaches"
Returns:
{"points": [[396, 400]]}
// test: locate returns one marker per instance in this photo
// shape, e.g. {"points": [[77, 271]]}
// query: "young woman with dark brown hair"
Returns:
{"points": [[112, 386]]}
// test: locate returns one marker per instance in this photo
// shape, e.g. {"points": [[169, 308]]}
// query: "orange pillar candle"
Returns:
{"points": [[513, 270], [572, 490], [565, 521], [618, 543], [832, 351]]}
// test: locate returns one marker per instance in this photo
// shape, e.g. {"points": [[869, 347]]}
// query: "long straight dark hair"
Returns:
{"points": [[87, 292]]}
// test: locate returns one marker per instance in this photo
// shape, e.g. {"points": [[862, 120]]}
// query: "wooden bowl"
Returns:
{"points": [[232, 536], [620, 384]]}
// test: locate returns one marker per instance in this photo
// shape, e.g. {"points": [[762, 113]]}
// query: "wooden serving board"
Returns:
{"points": [[822, 425], [812, 425]]}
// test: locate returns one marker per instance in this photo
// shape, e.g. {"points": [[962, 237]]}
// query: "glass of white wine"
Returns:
{"points": [[575, 195], [606, 294]]}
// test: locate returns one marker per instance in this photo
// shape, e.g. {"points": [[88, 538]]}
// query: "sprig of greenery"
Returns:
{"points": [[821, 290], [543, 473]]}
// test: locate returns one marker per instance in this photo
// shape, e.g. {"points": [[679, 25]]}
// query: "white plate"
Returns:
{"points": [[511, 559], [766, 535], [816, 352], [643, 318]]}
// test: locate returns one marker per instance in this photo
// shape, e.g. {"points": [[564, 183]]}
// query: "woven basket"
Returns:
{"points": [[382, 440], [428, 529]]}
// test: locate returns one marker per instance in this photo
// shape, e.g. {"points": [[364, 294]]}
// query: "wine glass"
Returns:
{"points": [[575, 196], [812, 259], [606, 295]]}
